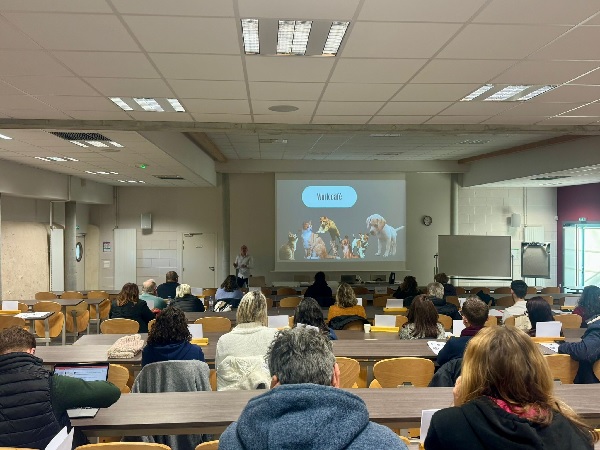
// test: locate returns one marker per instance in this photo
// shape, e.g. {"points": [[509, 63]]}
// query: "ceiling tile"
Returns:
{"points": [[375, 70], [588, 110], [89, 6], [477, 108], [178, 8], [416, 108], [416, 11], [76, 103], [207, 106], [185, 34], [348, 108], [307, 9], [398, 120], [575, 45], [570, 93], [209, 89], [75, 31], [545, 72], [288, 68], [232, 118], [14, 63], [131, 87], [542, 109], [6, 89], [461, 71], [271, 118], [457, 120], [271, 90], [371, 39], [434, 92], [305, 108], [98, 115], [555, 12], [199, 67], [12, 38], [501, 41], [108, 64], [592, 78], [38, 113], [341, 119], [359, 91], [9, 102], [44, 85], [570, 120]]}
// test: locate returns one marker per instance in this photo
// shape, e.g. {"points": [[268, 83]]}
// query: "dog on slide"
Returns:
{"points": [[329, 226], [386, 235], [347, 249], [314, 246], [359, 244]]}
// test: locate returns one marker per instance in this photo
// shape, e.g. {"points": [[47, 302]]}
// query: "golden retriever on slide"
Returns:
{"points": [[386, 235]]}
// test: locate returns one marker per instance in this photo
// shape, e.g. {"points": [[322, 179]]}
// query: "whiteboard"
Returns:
{"points": [[475, 256]]}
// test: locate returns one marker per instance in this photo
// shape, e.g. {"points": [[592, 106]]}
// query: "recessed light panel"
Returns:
{"points": [[101, 172], [506, 93], [292, 36], [149, 104], [537, 92], [477, 92], [98, 144], [3, 136], [121, 104], [250, 35], [56, 159], [335, 37], [176, 105], [519, 92]]}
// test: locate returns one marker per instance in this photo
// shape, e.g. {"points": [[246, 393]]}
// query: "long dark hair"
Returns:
{"points": [[170, 327], [308, 312], [230, 284], [423, 315], [409, 284], [538, 310], [130, 293], [590, 301]]}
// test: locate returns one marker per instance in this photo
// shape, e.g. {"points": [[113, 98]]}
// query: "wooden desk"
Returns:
{"points": [[32, 317], [64, 303], [212, 412], [81, 353]]}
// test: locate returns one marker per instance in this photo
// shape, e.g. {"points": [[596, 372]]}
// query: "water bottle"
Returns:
{"points": [[210, 302]]}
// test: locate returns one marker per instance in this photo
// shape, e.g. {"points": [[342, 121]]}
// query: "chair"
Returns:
{"points": [[214, 324], [124, 446], [509, 321], [532, 290], [596, 369], [291, 321], [475, 290], [460, 290], [391, 373], [505, 301], [269, 302], [71, 295], [119, 326], [119, 376], [266, 291], [551, 290], [151, 324], [11, 321], [354, 325], [349, 371], [23, 307], [209, 292], [289, 302], [286, 291], [446, 321], [45, 296], [210, 445], [453, 300], [401, 320], [563, 367], [569, 320], [213, 379], [492, 321], [502, 290], [549, 299], [380, 301], [360, 290], [256, 281], [78, 318], [55, 321], [103, 307]]}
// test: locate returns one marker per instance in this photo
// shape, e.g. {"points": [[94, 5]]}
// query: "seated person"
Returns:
{"points": [[185, 301], [167, 290], [422, 321], [586, 351], [308, 312], [33, 402], [588, 305], [518, 289], [538, 310], [345, 304], [304, 408], [129, 306], [230, 292], [443, 279], [500, 406], [169, 339], [320, 291], [407, 290], [436, 295], [149, 293], [474, 314]]}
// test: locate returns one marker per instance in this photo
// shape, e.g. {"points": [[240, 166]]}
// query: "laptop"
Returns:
{"points": [[86, 372]]}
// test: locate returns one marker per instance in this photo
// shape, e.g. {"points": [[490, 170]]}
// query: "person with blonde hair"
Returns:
{"points": [[345, 304], [504, 399], [129, 306], [240, 356], [422, 321], [185, 301]]}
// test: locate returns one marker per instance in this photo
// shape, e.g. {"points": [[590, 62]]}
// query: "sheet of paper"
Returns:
{"points": [[10, 305], [457, 327], [385, 320], [436, 346], [548, 329], [281, 321], [62, 441], [31, 315], [196, 330], [426, 415], [394, 303], [196, 291], [496, 312], [380, 290], [551, 345], [359, 301]]}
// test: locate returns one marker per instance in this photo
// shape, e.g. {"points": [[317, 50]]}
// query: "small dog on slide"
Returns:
{"points": [[328, 226], [386, 235], [347, 249], [359, 244]]}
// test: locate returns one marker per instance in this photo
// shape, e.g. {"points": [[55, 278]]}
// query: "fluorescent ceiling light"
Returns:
{"points": [[57, 159], [121, 104], [478, 92], [81, 144], [292, 36], [115, 144], [176, 105], [43, 159], [250, 35], [537, 92], [385, 135], [97, 143], [148, 104], [335, 37], [506, 93], [102, 172], [3, 136]]}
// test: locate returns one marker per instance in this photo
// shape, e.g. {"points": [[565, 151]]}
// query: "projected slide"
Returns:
{"points": [[342, 222]]}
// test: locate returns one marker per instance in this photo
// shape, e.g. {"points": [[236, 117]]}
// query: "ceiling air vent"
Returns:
{"points": [[169, 177], [68, 136]]}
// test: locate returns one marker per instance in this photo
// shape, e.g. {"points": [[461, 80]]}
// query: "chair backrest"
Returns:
{"points": [[11, 321], [446, 321], [453, 299], [124, 446], [97, 294], [492, 321], [151, 324], [393, 372], [401, 320], [354, 325], [460, 290], [289, 302], [173, 376], [71, 294], [209, 291], [596, 369], [531, 290], [505, 301], [55, 321], [23, 307], [569, 320], [210, 445], [380, 301], [475, 290], [509, 321], [548, 299], [213, 379], [119, 376], [257, 281], [360, 290], [502, 290], [45, 296], [269, 302], [266, 291], [78, 317], [349, 371], [563, 368], [286, 291], [119, 326], [214, 324], [551, 290]]}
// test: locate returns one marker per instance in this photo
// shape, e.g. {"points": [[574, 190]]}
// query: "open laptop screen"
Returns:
{"points": [[86, 372]]}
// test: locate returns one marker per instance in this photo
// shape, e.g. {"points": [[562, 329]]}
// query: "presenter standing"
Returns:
{"points": [[243, 263]]}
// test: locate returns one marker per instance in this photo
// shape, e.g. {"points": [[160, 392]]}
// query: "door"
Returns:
{"points": [[581, 254], [199, 259]]}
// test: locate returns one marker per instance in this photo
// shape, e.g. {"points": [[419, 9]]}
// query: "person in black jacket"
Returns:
{"points": [[436, 294], [586, 351], [504, 399], [185, 301], [129, 306], [167, 289], [320, 291]]}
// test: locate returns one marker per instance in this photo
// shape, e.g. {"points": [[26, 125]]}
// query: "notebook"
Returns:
{"points": [[86, 372]]}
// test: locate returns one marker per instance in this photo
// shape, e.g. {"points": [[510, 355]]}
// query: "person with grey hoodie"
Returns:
{"points": [[303, 410]]}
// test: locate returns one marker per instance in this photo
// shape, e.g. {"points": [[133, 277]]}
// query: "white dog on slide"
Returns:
{"points": [[386, 235]]}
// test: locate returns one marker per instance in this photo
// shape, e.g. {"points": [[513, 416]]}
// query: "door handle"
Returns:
{"points": [[212, 268]]}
